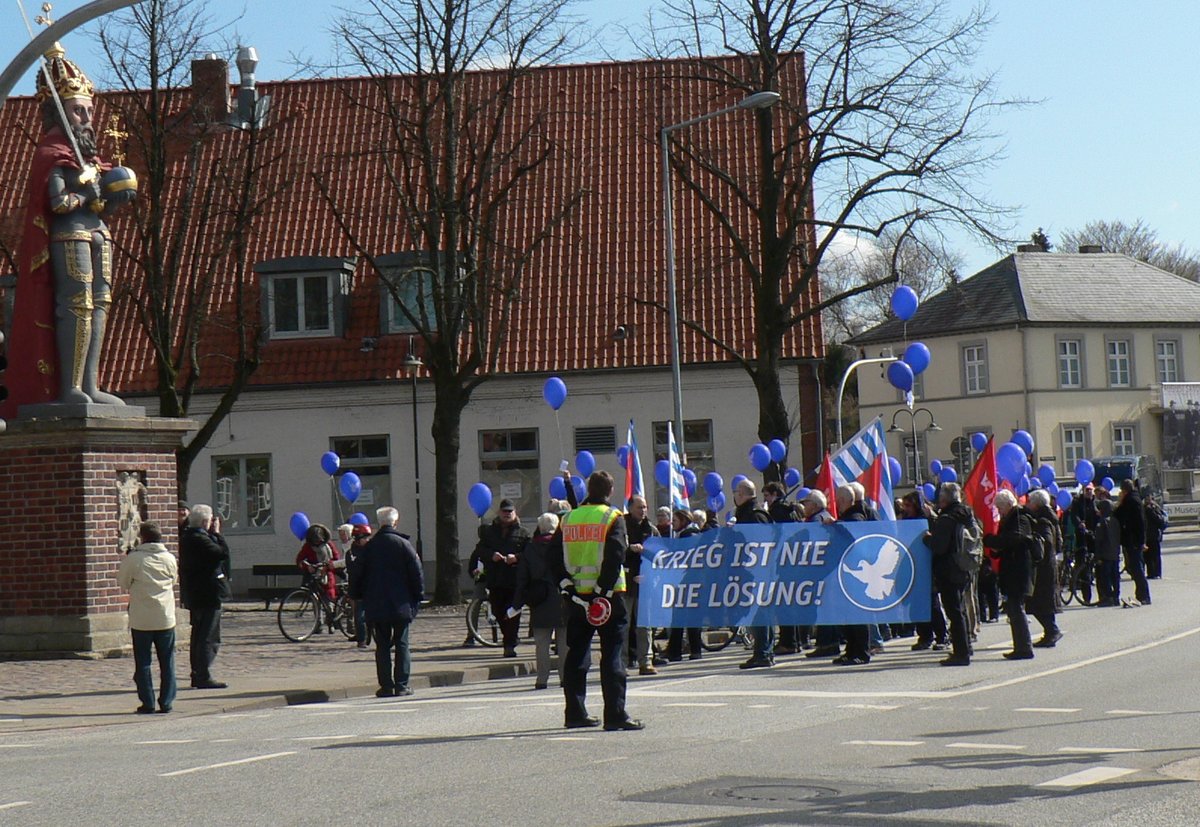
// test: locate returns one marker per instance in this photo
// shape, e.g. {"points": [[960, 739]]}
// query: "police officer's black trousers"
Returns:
{"points": [[613, 636]]}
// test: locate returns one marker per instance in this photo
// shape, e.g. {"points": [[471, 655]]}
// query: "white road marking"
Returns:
{"points": [[168, 741], [760, 706], [12, 805], [1094, 775], [238, 762], [326, 714], [867, 706], [393, 737], [569, 738], [1049, 710], [225, 740], [323, 737], [883, 743], [1092, 750], [390, 711], [1133, 712], [610, 760], [17, 746], [234, 715], [698, 703], [995, 747], [780, 693]]}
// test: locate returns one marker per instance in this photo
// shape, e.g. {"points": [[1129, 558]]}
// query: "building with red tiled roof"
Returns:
{"points": [[601, 271]]}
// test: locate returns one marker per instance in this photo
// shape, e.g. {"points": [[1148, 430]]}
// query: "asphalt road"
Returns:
{"points": [[1103, 730]]}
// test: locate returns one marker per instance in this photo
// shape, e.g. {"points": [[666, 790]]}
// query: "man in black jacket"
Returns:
{"points": [[637, 530], [1132, 517], [945, 539], [389, 580], [203, 586], [858, 638], [747, 512], [500, 547], [1011, 544]]}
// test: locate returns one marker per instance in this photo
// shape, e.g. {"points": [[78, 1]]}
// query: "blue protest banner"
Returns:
{"points": [[790, 574]]}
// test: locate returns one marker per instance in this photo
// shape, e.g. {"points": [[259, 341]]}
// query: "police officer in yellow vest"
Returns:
{"points": [[590, 566]]}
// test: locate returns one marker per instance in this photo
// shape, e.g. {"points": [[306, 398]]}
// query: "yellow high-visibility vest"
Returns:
{"points": [[584, 531]]}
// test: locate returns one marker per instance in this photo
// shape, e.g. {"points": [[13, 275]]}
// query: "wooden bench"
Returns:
{"points": [[271, 572]]}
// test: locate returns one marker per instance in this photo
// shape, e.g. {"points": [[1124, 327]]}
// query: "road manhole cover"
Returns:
{"points": [[775, 793]]}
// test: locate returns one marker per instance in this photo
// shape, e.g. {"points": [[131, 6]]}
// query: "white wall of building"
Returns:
{"points": [[294, 427]]}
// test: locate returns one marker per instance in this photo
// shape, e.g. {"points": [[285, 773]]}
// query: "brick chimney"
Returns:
{"points": [[1091, 248], [210, 89]]}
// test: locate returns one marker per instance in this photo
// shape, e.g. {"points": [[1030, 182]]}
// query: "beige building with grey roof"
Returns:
{"points": [[1073, 347]]}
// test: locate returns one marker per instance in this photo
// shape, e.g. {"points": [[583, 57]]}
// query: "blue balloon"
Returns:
{"points": [[1025, 440], [1034, 483], [689, 479], [623, 456], [330, 463], [935, 467], [979, 441], [791, 477], [1052, 489], [905, 302], [1010, 462], [554, 392], [717, 502], [802, 494], [1022, 486], [929, 491], [350, 485], [580, 487], [900, 376], [479, 498], [299, 524], [736, 481], [1063, 498], [359, 518], [1108, 484], [760, 457], [778, 449], [713, 485], [948, 474], [1085, 472], [895, 470], [662, 472], [917, 357], [585, 462], [1046, 474], [558, 488], [1028, 468]]}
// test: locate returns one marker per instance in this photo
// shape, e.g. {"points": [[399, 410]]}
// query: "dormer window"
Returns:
{"points": [[304, 296]]}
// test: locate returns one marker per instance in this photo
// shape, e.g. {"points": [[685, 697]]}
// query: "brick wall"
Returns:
{"points": [[59, 515]]}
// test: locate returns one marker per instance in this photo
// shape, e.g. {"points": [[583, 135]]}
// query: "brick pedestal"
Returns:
{"points": [[59, 527]]}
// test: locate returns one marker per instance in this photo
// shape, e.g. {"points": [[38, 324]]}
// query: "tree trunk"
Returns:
{"points": [[773, 422], [447, 421]]}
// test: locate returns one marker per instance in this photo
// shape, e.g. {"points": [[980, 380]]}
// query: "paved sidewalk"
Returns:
{"points": [[262, 668]]}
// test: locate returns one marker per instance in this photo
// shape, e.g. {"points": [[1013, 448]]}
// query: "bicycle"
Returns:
{"points": [[303, 611], [489, 633], [1065, 575], [1083, 580], [717, 638]]}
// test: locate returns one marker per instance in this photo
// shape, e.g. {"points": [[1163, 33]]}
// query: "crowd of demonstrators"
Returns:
{"points": [[537, 589], [204, 586], [501, 544], [149, 573], [389, 581]]}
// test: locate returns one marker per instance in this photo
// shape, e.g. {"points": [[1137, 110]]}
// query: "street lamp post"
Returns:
{"points": [[413, 364], [759, 100], [912, 421], [846, 378]]}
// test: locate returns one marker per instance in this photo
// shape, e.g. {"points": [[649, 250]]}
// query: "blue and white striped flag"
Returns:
{"points": [[679, 492], [864, 459]]}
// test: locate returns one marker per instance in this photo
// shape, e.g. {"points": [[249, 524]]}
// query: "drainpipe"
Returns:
{"points": [[1025, 383]]}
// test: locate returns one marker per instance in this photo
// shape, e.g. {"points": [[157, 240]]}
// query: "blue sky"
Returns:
{"points": [[1115, 135]]}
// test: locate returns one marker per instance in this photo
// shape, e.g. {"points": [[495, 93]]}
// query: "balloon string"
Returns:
{"points": [[558, 425], [336, 498]]}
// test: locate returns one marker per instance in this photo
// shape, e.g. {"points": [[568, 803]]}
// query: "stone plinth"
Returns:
{"points": [[60, 517]]}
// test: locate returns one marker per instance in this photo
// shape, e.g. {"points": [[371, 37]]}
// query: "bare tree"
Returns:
{"points": [[461, 167], [881, 130], [1136, 240], [199, 198], [925, 267]]}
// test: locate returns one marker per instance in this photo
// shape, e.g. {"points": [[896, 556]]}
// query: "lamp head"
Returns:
{"points": [[759, 100]]}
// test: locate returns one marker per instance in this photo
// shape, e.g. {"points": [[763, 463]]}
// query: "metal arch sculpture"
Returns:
{"points": [[34, 49]]}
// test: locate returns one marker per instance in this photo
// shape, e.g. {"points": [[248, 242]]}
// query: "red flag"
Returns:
{"points": [[826, 485], [872, 480], [981, 487]]}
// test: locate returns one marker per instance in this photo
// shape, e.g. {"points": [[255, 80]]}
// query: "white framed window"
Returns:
{"points": [[1120, 372], [1124, 438], [1076, 444], [975, 369], [1166, 356], [412, 291], [370, 457], [697, 445], [304, 296], [509, 463], [242, 493], [1070, 363]]}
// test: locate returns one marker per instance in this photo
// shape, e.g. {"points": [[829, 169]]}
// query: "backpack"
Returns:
{"points": [[968, 554]]}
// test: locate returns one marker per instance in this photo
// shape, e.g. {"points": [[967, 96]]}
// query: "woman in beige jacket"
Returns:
{"points": [[149, 573]]}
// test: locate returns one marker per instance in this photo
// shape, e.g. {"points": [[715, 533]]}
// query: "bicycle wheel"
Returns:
{"points": [[1065, 594], [299, 615], [714, 639], [482, 625], [1083, 584], [747, 637], [343, 617]]}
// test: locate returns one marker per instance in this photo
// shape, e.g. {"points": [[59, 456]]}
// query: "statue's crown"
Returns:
{"points": [[67, 77]]}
